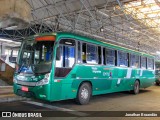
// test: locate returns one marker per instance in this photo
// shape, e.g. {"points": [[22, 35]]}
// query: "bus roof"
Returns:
{"points": [[90, 40]]}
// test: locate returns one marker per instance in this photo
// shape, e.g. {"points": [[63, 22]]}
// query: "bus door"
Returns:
{"points": [[65, 57]]}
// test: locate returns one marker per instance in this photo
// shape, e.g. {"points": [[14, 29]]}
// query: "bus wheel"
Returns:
{"points": [[157, 83], [84, 94], [136, 87]]}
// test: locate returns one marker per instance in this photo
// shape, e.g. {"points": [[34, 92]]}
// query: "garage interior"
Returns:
{"points": [[134, 24]]}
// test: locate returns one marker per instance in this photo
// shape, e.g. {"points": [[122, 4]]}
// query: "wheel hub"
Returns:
{"points": [[84, 93]]}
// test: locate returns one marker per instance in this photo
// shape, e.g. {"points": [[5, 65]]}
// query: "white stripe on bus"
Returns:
{"points": [[129, 73]]}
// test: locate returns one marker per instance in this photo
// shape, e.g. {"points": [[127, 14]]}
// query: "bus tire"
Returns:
{"points": [[157, 83], [84, 94], [136, 87]]}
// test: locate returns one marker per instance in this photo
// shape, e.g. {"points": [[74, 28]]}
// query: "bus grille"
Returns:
{"points": [[26, 83], [25, 94]]}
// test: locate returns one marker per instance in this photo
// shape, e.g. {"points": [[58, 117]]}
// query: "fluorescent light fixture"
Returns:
{"points": [[131, 28], [11, 27], [101, 29], [68, 43], [158, 52], [9, 41], [136, 31], [102, 13]]}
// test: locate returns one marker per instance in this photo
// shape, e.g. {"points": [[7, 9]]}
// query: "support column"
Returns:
{"points": [[3, 47]]}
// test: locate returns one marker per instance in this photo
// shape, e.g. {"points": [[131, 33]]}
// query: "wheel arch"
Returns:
{"points": [[138, 81], [85, 81]]}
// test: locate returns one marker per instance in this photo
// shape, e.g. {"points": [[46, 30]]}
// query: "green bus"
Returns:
{"points": [[60, 66]]}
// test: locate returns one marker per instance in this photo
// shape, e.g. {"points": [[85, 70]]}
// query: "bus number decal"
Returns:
{"points": [[105, 74]]}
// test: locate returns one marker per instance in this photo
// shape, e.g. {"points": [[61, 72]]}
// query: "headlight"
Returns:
{"points": [[44, 81]]}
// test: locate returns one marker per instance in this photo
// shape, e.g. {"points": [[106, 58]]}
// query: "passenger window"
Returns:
{"points": [[134, 61], [150, 63], [143, 63], [91, 54], [84, 54], [79, 52], [99, 55], [122, 59], [110, 57], [104, 56]]}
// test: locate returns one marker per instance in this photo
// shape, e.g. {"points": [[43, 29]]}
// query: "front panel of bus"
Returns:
{"points": [[34, 65]]}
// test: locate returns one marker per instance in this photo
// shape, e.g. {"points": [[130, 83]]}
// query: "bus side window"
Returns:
{"points": [[99, 55], [122, 59], [110, 57], [104, 56], [79, 52], [143, 62], [92, 57], [84, 53], [116, 63], [134, 61], [150, 63]]}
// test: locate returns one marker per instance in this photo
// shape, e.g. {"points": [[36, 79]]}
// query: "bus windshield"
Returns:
{"points": [[36, 57]]}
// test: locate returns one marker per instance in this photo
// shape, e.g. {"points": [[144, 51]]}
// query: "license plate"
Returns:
{"points": [[24, 88]]}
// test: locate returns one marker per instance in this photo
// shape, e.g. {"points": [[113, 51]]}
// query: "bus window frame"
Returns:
{"points": [[84, 42], [146, 62], [118, 64], [99, 56], [130, 61], [96, 53], [114, 56], [102, 55], [77, 53]]}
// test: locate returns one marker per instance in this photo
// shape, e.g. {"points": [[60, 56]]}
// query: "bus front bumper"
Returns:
{"points": [[39, 92]]}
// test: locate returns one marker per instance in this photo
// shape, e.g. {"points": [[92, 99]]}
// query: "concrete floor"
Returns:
{"points": [[146, 100]]}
